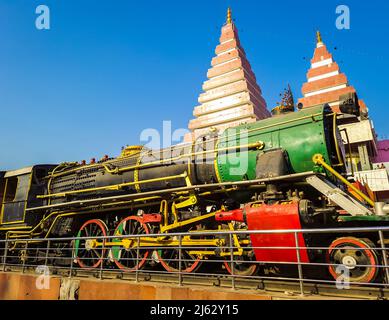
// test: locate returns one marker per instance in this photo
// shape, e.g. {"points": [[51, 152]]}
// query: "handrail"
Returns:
{"points": [[218, 233]]}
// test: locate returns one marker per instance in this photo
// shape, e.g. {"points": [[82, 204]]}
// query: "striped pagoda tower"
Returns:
{"points": [[325, 82], [231, 94]]}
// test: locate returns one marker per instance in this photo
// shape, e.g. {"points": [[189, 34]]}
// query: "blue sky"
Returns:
{"points": [[106, 70]]}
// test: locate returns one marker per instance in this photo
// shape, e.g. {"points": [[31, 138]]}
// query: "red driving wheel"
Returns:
{"points": [[357, 256], [90, 256], [169, 259], [241, 268], [128, 259]]}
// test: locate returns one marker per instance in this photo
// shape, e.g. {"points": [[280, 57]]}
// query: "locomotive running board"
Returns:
{"points": [[338, 196]]}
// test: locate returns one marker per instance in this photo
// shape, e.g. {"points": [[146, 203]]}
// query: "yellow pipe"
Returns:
{"points": [[14, 228], [216, 165], [235, 238], [186, 222], [349, 151], [336, 142], [155, 242], [318, 159], [136, 174], [112, 187]]}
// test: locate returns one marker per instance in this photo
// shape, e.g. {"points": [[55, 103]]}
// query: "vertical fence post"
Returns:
{"points": [[300, 269], [47, 252], [5, 255], [137, 261], [232, 261], [25, 258], [72, 258], [180, 261], [102, 260], [385, 258]]}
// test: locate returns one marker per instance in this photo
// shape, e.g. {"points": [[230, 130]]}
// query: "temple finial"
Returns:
{"points": [[318, 37], [229, 16], [287, 103]]}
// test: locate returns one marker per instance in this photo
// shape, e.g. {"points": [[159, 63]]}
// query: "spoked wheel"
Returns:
{"points": [[170, 260], [88, 252], [242, 266], [127, 258], [357, 256]]}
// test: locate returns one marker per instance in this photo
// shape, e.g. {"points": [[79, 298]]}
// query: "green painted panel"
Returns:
{"points": [[77, 244], [301, 134], [117, 249], [373, 218]]}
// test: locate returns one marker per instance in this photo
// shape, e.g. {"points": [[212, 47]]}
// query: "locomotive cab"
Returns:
{"points": [[18, 190]]}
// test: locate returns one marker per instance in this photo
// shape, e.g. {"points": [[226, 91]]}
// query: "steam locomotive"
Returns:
{"points": [[285, 172]]}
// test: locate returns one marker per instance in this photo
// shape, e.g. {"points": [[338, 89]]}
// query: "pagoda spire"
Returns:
{"points": [[319, 39], [325, 82], [231, 95], [229, 16]]}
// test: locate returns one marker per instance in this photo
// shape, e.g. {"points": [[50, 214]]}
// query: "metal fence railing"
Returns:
{"points": [[358, 259]]}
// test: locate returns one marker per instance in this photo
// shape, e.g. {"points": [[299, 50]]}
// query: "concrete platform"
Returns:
{"points": [[15, 286]]}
